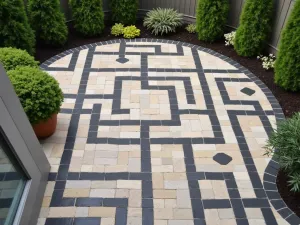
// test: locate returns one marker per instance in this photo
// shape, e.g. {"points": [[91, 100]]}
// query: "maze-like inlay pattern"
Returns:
{"points": [[156, 132]]}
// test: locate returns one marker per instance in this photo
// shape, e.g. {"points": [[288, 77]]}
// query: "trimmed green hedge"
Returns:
{"points": [[39, 93], [211, 19], [287, 65], [124, 11], [48, 21], [12, 58], [255, 26], [14, 27], [88, 16]]}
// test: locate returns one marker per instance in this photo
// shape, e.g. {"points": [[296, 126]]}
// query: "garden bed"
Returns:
{"points": [[290, 102], [290, 198]]}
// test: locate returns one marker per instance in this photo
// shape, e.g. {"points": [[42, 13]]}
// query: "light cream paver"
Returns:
{"points": [[171, 190]]}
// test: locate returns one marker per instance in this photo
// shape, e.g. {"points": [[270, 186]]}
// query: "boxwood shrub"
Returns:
{"points": [[48, 21], [88, 16], [124, 11], [211, 19], [255, 26], [39, 93], [14, 27], [12, 57], [287, 65], [284, 144]]}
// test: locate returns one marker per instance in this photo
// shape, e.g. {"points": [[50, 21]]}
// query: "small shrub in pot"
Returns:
{"points": [[163, 21], [284, 144], [39, 94], [11, 58], [48, 21]]}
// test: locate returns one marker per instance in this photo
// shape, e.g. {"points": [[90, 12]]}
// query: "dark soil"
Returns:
{"points": [[292, 199], [290, 102]]}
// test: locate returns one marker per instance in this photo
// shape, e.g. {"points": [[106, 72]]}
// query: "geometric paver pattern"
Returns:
{"points": [[157, 132]]}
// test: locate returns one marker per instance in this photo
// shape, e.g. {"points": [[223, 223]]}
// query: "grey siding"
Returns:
{"points": [[188, 8]]}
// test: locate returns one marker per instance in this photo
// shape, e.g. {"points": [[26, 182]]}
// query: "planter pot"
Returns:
{"points": [[46, 128]]}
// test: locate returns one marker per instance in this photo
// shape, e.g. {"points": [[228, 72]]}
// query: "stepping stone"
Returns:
{"points": [[122, 60], [248, 91], [222, 158]]}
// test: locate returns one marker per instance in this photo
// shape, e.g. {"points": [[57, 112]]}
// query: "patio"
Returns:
{"points": [[160, 132]]}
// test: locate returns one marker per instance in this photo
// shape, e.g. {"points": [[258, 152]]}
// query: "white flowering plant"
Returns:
{"points": [[229, 38], [268, 62]]}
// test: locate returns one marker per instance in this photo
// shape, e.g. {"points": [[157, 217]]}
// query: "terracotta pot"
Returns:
{"points": [[46, 128]]}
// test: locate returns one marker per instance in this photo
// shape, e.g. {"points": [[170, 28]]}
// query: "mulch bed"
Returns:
{"points": [[290, 198], [290, 102]]}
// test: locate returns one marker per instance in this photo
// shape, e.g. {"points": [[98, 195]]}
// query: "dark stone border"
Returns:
{"points": [[269, 180]]}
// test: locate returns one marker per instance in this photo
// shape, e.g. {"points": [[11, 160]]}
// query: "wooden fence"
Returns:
{"points": [[188, 8]]}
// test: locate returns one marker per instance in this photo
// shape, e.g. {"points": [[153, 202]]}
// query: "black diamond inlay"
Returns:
{"points": [[122, 60], [222, 158], [248, 91]]}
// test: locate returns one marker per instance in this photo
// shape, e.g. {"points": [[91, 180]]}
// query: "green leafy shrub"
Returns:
{"points": [[131, 32], [12, 57], [191, 28], [284, 144], [211, 19], [255, 26], [48, 21], [14, 27], [287, 66], [124, 11], [117, 29], [88, 16], [163, 21], [39, 93]]}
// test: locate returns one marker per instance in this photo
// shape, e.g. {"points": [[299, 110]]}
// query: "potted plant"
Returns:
{"points": [[40, 96]]}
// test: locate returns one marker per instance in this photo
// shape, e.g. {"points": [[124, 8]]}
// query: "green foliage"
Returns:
{"points": [[124, 11], [48, 21], [131, 32], [14, 27], [191, 28], [211, 19], [254, 29], [117, 29], [284, 143], [39, 93], [12, 57], [287, 66], [88, 16], [163, 21]]}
